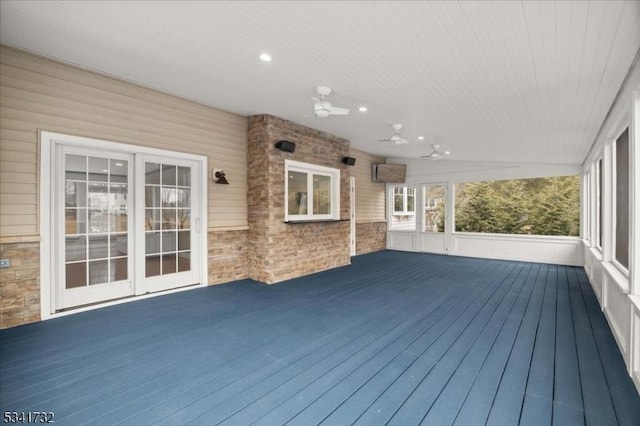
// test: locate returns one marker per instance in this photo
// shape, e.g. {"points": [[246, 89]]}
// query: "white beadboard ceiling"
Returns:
{"points": [[512, 81]]}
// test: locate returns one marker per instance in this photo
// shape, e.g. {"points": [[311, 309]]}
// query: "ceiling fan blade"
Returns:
{"points": [[333, 110]]}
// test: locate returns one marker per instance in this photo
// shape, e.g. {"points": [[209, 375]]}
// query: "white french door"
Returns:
{"points": [[124, 224], [171, 224], [93, 212]]}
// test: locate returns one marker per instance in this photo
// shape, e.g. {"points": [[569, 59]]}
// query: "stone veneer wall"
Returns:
{"points": [[227, 256], [370, 237], [20, 283], [279, 250]]}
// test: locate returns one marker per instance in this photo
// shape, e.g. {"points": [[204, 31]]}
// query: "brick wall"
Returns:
{"points": [[370, 237], [20, 284], [279, 250], [227, 256]]}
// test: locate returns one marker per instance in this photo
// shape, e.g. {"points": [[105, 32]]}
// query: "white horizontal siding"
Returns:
{"points": [[39, 94]]}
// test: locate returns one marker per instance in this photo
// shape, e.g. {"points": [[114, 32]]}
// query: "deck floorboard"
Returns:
{"points": [[394, 338]]}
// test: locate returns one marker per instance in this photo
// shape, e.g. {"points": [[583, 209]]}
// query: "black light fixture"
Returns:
{"points": [[349, 161], [286, 146], [220, 178]]}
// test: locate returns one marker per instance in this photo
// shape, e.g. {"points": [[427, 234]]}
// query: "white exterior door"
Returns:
{"points": [[170, 228], [433, 218], [124, 222], [94, 222], [420, 218]]}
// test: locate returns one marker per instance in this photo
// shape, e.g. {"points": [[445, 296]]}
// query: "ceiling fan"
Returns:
{"points": [[436, 154], [395, 138], [322, 107]]}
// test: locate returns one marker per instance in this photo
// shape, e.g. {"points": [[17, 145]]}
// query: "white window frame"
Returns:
{"points": [[614, 203], [405, 196], [585, 218], [598, 201], [310, 170]]}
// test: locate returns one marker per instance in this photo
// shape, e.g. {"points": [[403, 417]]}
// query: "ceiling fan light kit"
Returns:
{"points": [[435, 153], [395, 138], [322, 107]]}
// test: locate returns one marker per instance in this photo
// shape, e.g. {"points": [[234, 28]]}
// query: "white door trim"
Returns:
{"points": [[48, 141], [428, 241], [352, 215]]}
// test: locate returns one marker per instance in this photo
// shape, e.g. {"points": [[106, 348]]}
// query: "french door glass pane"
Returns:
{"points": [[76, 248], [152, 174], [167, 209], [98, 169], [96, 217], [118, 245], [184, 219], [184, 261], [76, 275], [98, 272], [152, 220], [75, 194], [152, 265], [118, 171], [76, 168], [184, 176], [98, 246], [75, 221], [434, 208]]}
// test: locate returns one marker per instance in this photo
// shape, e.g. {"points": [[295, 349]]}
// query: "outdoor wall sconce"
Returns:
{"points": [[220, 177]]}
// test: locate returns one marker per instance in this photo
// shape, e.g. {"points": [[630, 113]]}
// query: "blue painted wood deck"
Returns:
{"points": [[395, 338]]}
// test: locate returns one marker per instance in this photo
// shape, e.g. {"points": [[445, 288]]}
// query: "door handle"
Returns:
{"points": [[198, 226]]}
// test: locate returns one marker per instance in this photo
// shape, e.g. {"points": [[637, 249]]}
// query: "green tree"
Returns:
{"points": [[477, 212], [540, 206]]}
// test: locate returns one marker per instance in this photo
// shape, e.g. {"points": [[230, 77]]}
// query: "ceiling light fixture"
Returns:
{"points": [[362, 109], [420, 138], [265, 57]]}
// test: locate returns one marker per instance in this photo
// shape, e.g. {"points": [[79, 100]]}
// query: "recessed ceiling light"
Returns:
{"points": [[362, 109], [420, 138], [265, 57]]}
